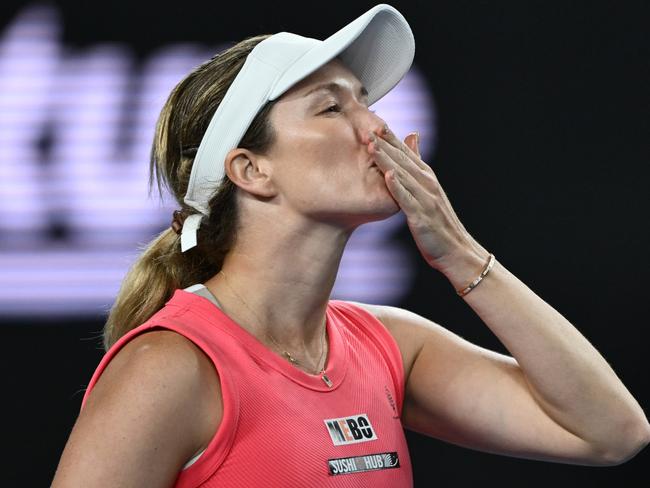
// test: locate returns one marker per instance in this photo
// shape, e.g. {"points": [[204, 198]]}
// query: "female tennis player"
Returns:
{"points": [[227, 363]]}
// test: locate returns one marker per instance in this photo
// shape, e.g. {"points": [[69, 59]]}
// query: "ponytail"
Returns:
{"points": [[161, 267]]}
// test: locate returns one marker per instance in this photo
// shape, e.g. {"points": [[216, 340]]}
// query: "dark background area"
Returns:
{"points": [[543, 119]]}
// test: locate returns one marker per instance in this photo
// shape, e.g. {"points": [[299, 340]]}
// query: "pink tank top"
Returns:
{"points": [[283, 427]]}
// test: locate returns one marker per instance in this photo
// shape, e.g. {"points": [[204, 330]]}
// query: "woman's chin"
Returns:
{"points": [[383, 208], [391, 210], [387, 203]]}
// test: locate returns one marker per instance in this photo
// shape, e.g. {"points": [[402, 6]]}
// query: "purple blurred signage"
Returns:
{"points": [[75, 133]]}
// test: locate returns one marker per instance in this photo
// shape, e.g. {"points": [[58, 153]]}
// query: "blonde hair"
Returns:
{"points": [[161, 268]]}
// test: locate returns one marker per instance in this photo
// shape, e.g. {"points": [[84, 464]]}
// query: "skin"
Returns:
{"points": [[317, 182], [554, 399]]}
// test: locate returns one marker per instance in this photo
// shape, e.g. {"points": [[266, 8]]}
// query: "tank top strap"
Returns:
{"points": [[202, 290]]}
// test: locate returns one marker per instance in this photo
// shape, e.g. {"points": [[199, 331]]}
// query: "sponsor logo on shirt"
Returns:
{"points": [[358, 464], [391, 401], [350, 430]]}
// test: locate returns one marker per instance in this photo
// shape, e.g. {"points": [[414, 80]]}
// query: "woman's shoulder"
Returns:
{"points": [[376, 311], [168, 354], [166, 365], [158, 402], [407, 340]]}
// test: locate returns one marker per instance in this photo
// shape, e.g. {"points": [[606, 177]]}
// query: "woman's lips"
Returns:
{"points": [[372, 164]]}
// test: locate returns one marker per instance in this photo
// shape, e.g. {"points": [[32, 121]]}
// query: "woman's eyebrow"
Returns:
{"points": [[336, 88]]}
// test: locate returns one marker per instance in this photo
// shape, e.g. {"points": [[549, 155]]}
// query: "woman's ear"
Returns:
{"points": [[249, 172]]}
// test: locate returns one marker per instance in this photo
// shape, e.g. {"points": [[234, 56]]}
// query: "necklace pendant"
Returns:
{"points": [[327, 381], [291, 359]]}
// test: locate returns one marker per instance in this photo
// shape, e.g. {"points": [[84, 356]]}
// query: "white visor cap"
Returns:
{"points": [[378, 47]]}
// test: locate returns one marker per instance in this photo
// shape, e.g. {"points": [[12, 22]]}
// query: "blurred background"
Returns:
{"points": [[534, 116]]}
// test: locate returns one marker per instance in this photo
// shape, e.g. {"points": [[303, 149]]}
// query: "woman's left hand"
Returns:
{"points": [[437, 231]]}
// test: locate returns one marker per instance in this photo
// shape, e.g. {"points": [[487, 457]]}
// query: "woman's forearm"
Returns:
{"points": [[568, 377]]}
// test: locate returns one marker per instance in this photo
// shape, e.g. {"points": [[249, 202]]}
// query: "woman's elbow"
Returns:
{"points": [[636, 439]]}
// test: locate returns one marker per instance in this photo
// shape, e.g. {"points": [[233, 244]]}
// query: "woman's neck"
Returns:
{"points": [[279, 284]]}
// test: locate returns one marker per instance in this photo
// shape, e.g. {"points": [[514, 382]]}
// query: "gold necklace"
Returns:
{"points": [[286, 353]]}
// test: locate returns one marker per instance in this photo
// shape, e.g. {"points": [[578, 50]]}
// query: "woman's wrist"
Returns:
{"points": [[464, 265]]}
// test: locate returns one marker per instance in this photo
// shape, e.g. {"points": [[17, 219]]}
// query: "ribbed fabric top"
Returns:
{"points": [[284, 427]]}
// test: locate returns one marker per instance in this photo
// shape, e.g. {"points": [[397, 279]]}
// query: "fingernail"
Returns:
{"points": [[372, 137], [417, 138]]}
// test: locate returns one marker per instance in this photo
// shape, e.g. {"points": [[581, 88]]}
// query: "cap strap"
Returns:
{"points": [[190, 229], [246, 95]]}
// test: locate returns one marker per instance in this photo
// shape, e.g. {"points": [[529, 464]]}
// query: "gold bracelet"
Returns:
{"points": [[474, 283]]}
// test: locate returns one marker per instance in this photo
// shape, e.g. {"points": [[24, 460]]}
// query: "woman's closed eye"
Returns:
{"points": [[336, 108], [332, 108]]}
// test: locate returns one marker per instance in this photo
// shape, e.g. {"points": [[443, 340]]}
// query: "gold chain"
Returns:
{"points": [[286, 353]]}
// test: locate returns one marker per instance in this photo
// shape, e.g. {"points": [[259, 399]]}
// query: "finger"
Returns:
{"points": [[383, 160], [402, 196], [390, 137], [410, 142], [404, 160], [414, 142], [387, 163], [418, 168]]}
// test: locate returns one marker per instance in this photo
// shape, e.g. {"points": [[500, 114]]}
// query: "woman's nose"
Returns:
{"points": [[370, 123]]}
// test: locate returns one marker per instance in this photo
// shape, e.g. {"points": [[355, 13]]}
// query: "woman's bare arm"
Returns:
{"points": [[555, 399], [156, 405]]}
